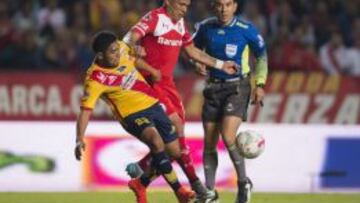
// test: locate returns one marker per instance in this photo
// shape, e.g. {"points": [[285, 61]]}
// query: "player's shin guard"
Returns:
{"points": [[210, 166], [162, 164], [239, 163]]}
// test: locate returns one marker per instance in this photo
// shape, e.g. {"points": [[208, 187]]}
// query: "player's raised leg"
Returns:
{"points": [[161, 163], [175, 111]]}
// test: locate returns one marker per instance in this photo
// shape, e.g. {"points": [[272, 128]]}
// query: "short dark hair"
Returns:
{"points": [[102, 41]]}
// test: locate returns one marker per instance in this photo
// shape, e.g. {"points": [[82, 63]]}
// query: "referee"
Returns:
{"points": [[226, 97]]}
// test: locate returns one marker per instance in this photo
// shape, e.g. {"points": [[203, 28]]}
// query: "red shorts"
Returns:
{"points": [[170, 99]]}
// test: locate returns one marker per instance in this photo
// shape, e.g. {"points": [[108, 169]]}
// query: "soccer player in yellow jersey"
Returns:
{"points": [[114, 78]]}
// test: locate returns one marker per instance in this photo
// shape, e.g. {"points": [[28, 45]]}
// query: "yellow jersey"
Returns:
{"points": [[123, 88]]}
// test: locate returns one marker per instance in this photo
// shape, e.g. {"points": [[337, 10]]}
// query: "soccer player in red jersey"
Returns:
{"points": [[162, 33]]}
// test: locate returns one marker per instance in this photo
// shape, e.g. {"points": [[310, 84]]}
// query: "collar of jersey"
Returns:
{"points": [[105, 69], [232, 23]]}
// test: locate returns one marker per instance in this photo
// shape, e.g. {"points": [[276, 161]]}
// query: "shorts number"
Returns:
{"points": [[141, 121]]}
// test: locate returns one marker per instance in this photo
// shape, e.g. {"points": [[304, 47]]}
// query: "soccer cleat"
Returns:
{"points": [[211, 196], [244, 191], [134, 170], [184, 195], [199, 189], [139, 190]]}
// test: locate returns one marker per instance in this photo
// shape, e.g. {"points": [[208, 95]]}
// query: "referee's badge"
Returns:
{"points": [[230, 50]]}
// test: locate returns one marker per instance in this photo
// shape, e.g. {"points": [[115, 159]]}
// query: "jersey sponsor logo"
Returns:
{"points": [[101, 77], [112, 78], [106, 79], [169, 42], [231, 50]]}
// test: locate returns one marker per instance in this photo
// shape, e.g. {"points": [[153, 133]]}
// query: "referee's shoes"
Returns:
{"points": [[244, 191]]}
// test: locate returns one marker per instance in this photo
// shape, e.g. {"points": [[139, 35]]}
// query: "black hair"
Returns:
{"points": [[102, 41]]}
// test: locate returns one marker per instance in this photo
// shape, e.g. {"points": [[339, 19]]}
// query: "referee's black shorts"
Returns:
{"points": [[226, 98]]}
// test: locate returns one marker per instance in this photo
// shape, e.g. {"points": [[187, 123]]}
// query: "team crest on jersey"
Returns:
{"points": [[147, 17], [230, 50], [129, 80]]}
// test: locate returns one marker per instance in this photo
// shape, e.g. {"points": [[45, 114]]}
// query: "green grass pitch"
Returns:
{"points": [[168, 197]]}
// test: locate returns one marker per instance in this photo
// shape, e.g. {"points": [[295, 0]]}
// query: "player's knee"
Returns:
{"points": [[159, 145], [153, 139], [229, 140], [162, 162], [156, 144], [173, 150]]}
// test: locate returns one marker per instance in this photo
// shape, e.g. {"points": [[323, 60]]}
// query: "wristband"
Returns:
{"points": [[260, 85], [219, 64]]}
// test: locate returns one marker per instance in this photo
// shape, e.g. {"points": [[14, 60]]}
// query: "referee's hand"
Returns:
{"points": [[230, 67], [258, 96]]}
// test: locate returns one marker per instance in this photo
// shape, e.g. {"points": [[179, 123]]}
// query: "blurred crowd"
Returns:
{"points": [[302, 35]]}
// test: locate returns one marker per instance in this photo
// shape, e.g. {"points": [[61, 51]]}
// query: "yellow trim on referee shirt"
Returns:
{"points": [[245, 56]]}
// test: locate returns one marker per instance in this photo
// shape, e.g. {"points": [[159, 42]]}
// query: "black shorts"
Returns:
{"points": [[226, 99], [151, 117]]}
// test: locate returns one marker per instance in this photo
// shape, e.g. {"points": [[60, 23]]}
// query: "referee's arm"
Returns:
{"points": [[261, 69]]}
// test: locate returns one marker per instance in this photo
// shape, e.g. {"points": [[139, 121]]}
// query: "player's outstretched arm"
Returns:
{"points": [[131, 38], [81, 124], [202, 57]]}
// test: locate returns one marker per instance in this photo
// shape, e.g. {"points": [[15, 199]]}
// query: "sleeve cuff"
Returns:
{"points": [[139, 30], [86, 108], [262, 85], [187, 43]]}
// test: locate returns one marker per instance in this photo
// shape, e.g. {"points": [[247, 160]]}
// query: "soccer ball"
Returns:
{"points": [[250, 143]]}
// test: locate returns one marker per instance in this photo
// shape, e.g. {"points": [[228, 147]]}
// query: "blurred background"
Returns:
{"points": [[310, 119]]}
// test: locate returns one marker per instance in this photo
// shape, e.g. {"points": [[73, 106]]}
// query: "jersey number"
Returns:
{"points": [[141, 121]]}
